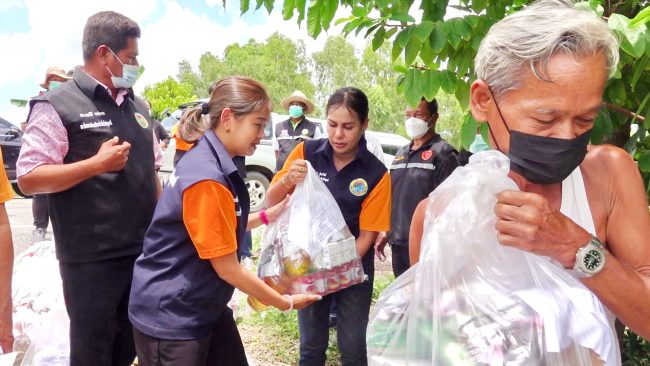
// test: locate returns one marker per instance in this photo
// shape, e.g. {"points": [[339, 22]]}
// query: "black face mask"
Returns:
{"points": [[544, 160]]}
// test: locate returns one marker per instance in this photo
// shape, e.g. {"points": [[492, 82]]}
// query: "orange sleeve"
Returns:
{"points": [[180, 143], [297, 153], [375, 210], [210, 219], [6, 193]]}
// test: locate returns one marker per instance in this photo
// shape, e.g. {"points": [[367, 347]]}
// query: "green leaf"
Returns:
{"points": [[287, 9], [429, 84], [426, 54], [314, 19], [603, 127], [378, 38], [343, 20], [438, 38], [412, 50], [448, 82], [433, 9], [391, 32], [411, 89], [646, 123], [644, 161], [404, 36], [616, 92], [462, 94], [639, 68], [359, 11], [423, 30], [300, 5], [472, 20], [478, 5], [461, 28], [633, 39], [244, 6], [372, 29], [396, 51], [468, 131], [641, 18], [328, 12], [401, 68], [402, 18], [268, 4]]}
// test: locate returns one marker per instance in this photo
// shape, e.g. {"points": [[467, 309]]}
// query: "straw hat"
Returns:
{"points": [[298, 96], [54, 71]]}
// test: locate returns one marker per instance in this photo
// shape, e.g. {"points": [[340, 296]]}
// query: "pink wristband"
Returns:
{"points": [[264, 218]]}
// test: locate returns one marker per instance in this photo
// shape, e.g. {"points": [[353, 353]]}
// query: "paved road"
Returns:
{"points": [[22, 224]]}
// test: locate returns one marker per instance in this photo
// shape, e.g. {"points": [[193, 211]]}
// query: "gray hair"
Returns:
{"points": [[531, 37]]}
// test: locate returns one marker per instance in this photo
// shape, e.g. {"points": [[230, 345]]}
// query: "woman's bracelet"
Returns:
{"points": [[284, 182], [264, 218], [288, 297]]}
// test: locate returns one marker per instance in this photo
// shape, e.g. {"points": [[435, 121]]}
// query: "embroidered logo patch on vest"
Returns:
{"points": [[142, 121], [305, 131], [426, 155], [359, 187]]}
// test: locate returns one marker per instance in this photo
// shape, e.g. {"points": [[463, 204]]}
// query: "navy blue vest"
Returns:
{"points": [[105, 216], [175, 294], [350, 186]]}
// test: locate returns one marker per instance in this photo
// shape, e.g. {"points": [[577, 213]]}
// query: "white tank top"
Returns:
{"points": [[576, 207]]}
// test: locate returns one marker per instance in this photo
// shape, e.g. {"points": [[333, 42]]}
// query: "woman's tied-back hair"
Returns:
{"points": [[531, 37], [353, 99], [241, 94]]}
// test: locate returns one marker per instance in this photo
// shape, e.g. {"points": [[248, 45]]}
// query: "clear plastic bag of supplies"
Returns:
{"points": [[41, 324], [309, 248], [471, 301]]}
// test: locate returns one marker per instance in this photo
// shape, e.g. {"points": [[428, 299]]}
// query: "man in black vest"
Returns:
{"points": [[417, 170], [288, 134], [89, 145]]}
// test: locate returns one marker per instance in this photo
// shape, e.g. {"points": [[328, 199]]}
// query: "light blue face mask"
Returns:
{"points": [[55, 84], [130, 74], [295, 111]]}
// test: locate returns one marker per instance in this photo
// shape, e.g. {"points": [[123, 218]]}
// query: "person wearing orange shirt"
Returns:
{"points": [[190, 263], [360, 185], [6, 264], [181, 145]]}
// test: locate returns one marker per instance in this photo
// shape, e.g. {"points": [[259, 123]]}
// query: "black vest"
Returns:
{"points": [[414, 175], [288, 138], [175, 294], [105, 216]]}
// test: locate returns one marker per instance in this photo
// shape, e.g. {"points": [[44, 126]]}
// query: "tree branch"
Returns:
{"points": [[624, 111]]}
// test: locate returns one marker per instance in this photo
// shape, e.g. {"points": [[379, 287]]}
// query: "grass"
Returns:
{"points": [[272, 337]]}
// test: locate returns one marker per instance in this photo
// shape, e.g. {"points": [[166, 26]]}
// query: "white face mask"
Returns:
{"points": [[416, 127], [130, 74]]}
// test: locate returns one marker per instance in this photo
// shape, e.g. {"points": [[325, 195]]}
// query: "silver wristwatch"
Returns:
{"points": [[590, 259]]}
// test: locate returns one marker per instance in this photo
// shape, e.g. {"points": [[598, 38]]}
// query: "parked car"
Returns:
{"points": [[10, 141], [260, 167]]}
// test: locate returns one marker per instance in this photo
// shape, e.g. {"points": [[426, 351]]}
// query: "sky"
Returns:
{"points": [[36, 34]]}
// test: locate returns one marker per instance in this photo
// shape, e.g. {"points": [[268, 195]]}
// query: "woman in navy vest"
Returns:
{"points": [[189, 266], [360, 185]]}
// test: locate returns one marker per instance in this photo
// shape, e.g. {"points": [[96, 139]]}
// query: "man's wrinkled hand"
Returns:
{"points": [[526, 221]]}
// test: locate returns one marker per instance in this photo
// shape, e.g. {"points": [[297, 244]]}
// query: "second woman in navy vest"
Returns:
{"points": [[189, 266], [360, 185]]}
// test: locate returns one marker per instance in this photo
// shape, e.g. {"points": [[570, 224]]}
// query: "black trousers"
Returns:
{"points": [[97, 298], [400, 259], [40, 211], [222, 346]]}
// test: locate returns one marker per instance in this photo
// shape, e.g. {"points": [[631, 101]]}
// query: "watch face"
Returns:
{"points": [[592, 260]]}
